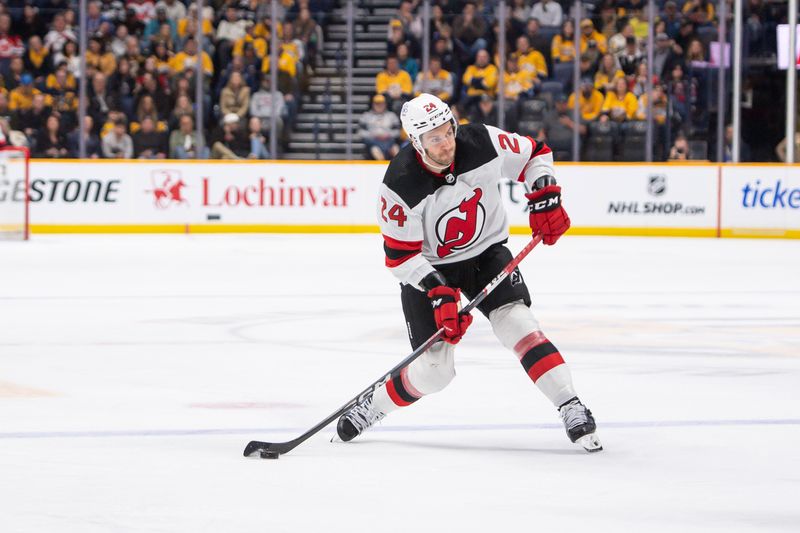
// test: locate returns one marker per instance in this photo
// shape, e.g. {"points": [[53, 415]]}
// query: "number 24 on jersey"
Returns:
{"points": [[395, 213]]}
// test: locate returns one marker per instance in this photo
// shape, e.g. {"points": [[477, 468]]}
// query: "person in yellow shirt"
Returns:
{"points": [[188, 25], [659, 106], [479, 79], [60, 81], [562, 48], [607, 74], [516, 81], [21, 98], [590, 101], [699, 11], [260, 44], [588, 34], [530, 59], [436, 81], [393, 83], [99, 59], [620, 104], [188, 57]]}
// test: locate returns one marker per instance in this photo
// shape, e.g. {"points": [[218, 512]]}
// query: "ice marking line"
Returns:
{"points": [[392, 429]]}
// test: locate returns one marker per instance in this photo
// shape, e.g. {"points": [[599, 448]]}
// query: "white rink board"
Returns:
{"points": [[265, 196], [760, 198], [632, 196]]}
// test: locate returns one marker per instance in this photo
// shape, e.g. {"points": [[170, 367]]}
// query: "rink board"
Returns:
{"points": [[341, 197]]}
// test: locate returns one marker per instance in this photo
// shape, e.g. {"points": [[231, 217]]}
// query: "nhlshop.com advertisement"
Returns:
{"points": [[651, 199], [760, 201]]}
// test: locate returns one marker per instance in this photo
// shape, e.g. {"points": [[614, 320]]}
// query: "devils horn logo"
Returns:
{"points": [[461, 226]]}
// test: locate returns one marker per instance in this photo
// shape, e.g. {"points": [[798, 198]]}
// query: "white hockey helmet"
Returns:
{"points": [[422, 114]]}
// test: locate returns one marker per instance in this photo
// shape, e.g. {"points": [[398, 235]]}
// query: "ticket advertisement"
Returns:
{"points": [[760, 201]]}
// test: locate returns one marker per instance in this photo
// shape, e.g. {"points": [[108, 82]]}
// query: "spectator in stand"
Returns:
{"points": [[32, 120], [529, 59], [186, 59], [93, 149], [639, 23], [184, 142], [517, 83], [50, 142], [686, 34], [696, 54], [548, 13], [608, 22], [562, 48], [616, 45], [258, 143], [486, 112], [607, 74], [680, 149], [235, 97], [97, 59], [639, 86], [379, 129], [146, 109], [443, 49], [148, 85], [780, 149], [175, 9], [701, 12], [69, 55], [663, 56], [394, 84], [153, 28], [5, 112], [620, 105], [132, 22], [590, 101], [94, 18], [37, 60], [101, 102], [479, 79], [187, 26], [123, 84], [229, 141], [679, 93], [117, 144], [659, 110], [630, 58], [412, 24], [558, 127], [183, 106], [589, 34], [11, 44], [59, 34], [21, 98], [672, 18], [31, 23], [60, 81], [538, 39], [13, 77], [396, 37], [259, 44], [436, 81], [261, 107], [407, 63], [469, 32], [229, 30], [309, 32]]}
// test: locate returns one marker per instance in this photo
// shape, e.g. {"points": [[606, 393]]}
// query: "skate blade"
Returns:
{"points": [[590, 443]]}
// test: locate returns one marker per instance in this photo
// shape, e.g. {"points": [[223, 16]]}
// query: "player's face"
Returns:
{"points": [[440, 144]]}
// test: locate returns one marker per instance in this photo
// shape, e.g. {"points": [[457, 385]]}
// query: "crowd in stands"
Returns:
{"points": [[539, 65], [140, 72]]}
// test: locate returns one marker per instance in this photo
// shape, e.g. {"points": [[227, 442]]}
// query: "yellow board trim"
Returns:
{"points": [[760, 233], [346, 228]]}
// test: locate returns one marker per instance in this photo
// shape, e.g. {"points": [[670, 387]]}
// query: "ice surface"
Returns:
{"points": [[134, 369]]}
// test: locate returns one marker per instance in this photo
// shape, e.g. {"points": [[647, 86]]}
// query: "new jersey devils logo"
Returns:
{"points": [[461, 226]]}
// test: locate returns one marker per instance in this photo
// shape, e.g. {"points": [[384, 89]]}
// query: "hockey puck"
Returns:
{"points": [[269, 454]]}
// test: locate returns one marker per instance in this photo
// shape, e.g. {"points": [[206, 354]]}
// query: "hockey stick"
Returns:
{"points": [[273, 450]]}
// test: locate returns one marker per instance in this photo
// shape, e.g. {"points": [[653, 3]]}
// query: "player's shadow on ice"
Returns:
{"points": [[470, 448]]}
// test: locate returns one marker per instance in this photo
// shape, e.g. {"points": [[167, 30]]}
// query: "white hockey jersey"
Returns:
{"points": [[429, 219]]}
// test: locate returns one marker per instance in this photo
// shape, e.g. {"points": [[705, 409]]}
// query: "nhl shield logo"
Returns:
{"points": [[657, 184], [450, 179]]}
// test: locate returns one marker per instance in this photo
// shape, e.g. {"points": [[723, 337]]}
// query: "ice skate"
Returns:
{"points": [[580, 425], [360, 417]]}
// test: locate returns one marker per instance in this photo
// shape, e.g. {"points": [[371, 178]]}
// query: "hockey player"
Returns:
{"points": [[444, 229]]}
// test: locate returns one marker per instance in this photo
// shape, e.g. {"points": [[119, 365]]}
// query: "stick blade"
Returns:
{"points": [[266, 450]]}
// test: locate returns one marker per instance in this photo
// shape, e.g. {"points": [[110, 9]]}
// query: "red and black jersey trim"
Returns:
{"points": [[398, 252], [540, 359], [398, 392], [539, 148]]}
